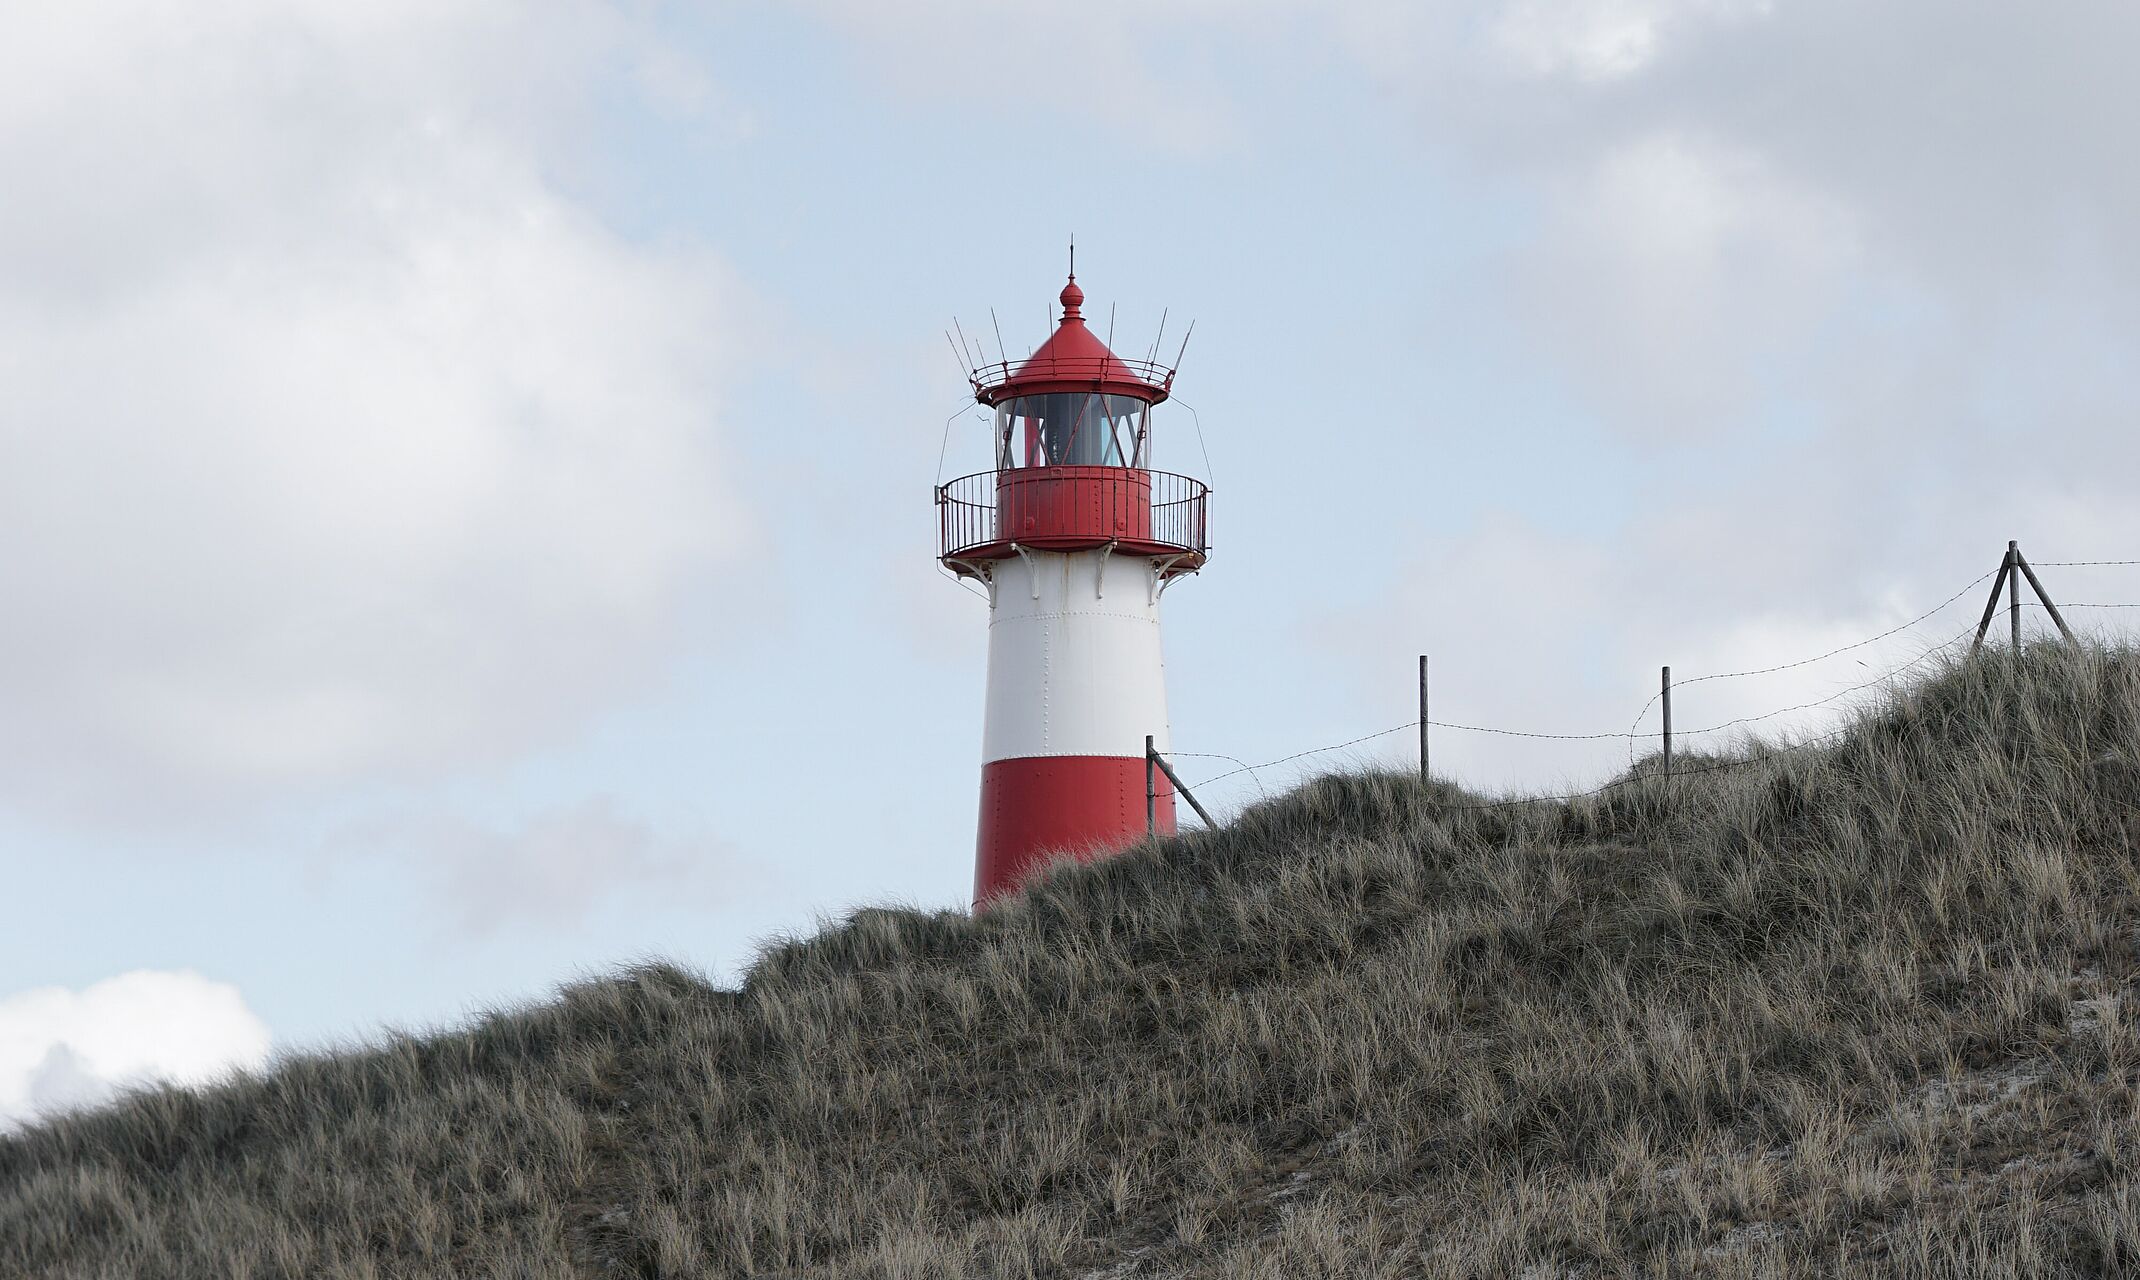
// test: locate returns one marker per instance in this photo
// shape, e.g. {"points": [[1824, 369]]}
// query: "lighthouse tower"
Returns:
{"points": [[1075, 536]]}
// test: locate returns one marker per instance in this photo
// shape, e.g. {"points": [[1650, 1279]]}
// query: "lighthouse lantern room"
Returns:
{"points": [[1075, 536]]}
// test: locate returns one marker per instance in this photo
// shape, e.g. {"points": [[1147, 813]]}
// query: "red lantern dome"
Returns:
{"points": [[1073, 359]]}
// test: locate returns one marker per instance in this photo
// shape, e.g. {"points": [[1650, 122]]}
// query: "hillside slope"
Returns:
{"points": [[1864, 1008]]}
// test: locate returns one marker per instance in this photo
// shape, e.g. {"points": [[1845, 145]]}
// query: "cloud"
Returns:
{"points": [[1596, 40], [1143, 66], [342, 441], [551, 868], [62, 1049], [1676, 277], [1738, 204]]}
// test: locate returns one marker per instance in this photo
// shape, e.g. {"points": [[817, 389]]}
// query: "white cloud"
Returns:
{"points": [[1144, 66], [1674, 275], [1600, 39], [550, 868], [61, 1049], [1740, 203], [340, 439]]}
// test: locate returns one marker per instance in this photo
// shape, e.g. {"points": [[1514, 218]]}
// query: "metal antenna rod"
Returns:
{"points": [[1153, 354], [971, 363], [1001, 358], [1073, 255], [1184, 344]]}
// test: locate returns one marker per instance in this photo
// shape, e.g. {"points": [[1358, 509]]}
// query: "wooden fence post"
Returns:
{"points": [[1181, 788], [1424, 775], [1151, 788], [2013, 593], [1666, 694]]}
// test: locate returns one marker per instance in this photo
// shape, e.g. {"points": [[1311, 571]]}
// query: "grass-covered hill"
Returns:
{"points": [[1866, 1008]]}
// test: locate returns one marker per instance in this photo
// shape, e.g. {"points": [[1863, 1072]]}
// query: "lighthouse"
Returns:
{"points": [[1076, 536]]}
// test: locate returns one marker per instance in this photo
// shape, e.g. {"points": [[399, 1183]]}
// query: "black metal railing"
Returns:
{"points": [[1178, 512], [988, 377], [967, 513]]}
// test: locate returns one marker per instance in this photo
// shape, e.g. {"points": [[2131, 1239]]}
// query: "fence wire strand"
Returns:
{"points": [[1638, 779], [1312, 751], [1840, 694], [1384, 733], [1980, 580], [1247, 768], [1631, 734]]}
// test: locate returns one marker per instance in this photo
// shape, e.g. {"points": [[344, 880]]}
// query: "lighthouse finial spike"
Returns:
{"points": [[1072, 296]]}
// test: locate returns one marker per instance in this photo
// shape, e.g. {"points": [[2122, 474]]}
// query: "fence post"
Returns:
{"points": [[1181, 788], [1666, 694], [2021, 563], [1991, 603], [2013, 593], [1424, 776], [1151, 788]]}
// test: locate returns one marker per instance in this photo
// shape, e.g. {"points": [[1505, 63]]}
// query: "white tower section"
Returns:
{"points": [[1074, 665]]}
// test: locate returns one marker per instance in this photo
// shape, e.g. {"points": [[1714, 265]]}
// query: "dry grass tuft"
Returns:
{"points": [[1860, 1010]]}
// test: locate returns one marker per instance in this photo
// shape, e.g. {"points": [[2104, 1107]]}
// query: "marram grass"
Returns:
{"points": [[1862, 1009]]}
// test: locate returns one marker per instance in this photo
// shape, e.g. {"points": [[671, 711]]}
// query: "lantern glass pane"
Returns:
{"points": [[1071, 428]]}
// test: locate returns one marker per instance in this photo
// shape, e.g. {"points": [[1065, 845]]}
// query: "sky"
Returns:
{"points": [[466, 467]]}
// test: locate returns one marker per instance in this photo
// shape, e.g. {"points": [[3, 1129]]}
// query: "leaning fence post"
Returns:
{"points": [[1151, 789], [2021, 562], [1991, 605], [1666, 695], [1181, 788], [1423, 774]]}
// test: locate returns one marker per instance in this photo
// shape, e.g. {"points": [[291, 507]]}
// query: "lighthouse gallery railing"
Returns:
{"points": [[967, 513]]}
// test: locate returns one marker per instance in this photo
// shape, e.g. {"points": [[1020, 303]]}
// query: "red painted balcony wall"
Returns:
{"points": [[1073, 506]]}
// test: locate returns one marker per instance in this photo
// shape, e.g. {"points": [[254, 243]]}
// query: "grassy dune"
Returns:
{"points": [[1865, 1008]]}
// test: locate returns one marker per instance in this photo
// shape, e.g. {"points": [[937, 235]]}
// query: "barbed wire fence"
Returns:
{"points": [[2007, 577]]}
